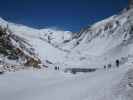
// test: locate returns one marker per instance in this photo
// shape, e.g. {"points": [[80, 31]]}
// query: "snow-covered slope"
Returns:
{"points": [[45, 45], [39, 85], [102, 42], [55, 36], [99, 45], [105, 41], [36, 41]]}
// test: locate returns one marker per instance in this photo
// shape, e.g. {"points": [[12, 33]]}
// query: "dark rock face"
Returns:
{"points": [[130, 4], [33, 62], [6, 48]]}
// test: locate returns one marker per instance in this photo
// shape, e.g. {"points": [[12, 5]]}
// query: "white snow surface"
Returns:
{"points": [[52, 85]]}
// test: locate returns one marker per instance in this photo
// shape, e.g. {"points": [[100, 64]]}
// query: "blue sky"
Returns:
{"points": [[64, 14]]}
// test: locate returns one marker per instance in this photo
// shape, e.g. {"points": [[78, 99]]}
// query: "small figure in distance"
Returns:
{"points": [[109, 66], [117, 63]]}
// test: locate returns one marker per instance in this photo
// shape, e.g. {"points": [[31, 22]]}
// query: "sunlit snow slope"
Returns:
{"points": [[103, 42]]}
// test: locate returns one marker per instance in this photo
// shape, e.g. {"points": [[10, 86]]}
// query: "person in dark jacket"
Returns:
{"points": [[117, 63], [104, 66], [109, 66], [56, 68]]}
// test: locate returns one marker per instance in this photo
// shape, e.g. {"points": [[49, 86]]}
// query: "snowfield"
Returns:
{"points": [[52, 85], [106, 46]]}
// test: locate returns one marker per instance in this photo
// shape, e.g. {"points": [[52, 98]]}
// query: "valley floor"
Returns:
{"points": [[51, 85]]}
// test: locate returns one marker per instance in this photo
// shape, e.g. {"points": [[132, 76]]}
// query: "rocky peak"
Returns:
{"points": [[130, 4]]}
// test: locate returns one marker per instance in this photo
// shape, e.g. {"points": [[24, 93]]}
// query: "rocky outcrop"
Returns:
{"points": [[6, 48], [130, 4], [33, 62], [18, 53]]}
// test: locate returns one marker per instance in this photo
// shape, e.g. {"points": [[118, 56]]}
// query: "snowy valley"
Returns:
{"points": [[47, 64]]}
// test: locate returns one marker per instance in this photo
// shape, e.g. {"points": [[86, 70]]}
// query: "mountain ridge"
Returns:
{"points": [[92, 44]]}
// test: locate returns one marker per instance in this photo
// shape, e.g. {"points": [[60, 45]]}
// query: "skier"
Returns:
{"points": [[56, 68], [117, 63], [104, 66], [109, 66]]}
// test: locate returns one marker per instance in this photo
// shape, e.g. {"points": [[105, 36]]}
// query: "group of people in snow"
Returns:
{"points": [[56, 68], [109, 66]]}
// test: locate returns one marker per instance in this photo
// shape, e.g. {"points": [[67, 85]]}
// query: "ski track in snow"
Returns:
{"points": [[38, 86]]}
